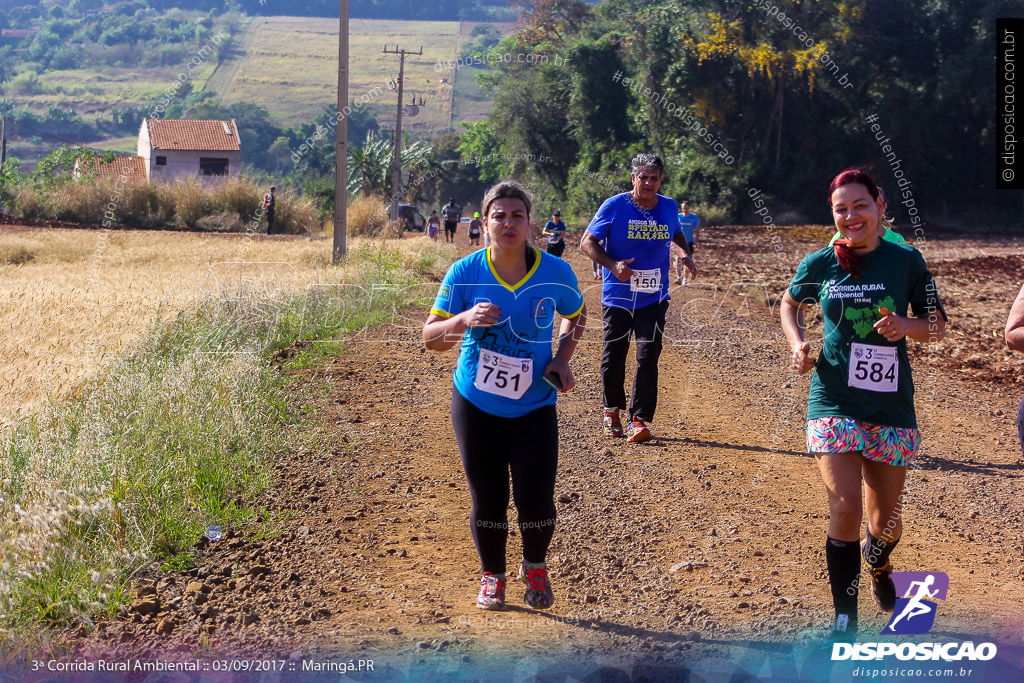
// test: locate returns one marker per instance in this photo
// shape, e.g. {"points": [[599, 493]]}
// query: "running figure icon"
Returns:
{"points": [[915, 607]]}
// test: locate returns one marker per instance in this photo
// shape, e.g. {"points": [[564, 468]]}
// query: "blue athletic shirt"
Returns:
{"points": [[524, 331], [689, 223], [557, 228], [639, 234]]}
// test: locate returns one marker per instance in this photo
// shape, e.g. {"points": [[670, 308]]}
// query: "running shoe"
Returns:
{"points": [[538, 587], [679, 280], [612, 424], [637, 431], [492, 592], [882, 588]]}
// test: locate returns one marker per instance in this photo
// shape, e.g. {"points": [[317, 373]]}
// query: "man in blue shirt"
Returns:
{"points": [[639, 226], [691, 229]]}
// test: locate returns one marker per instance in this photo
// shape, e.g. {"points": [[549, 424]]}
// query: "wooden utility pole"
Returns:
{"points": [[341, 140], [396, 168]]}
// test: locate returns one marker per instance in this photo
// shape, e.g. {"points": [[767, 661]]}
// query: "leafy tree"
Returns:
{"points": [[62, 28], [80, 7], [10, 178], [55, 169], [369, 165]]}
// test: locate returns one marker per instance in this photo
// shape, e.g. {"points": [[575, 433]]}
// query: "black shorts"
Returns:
{"points": [[450, 226]]}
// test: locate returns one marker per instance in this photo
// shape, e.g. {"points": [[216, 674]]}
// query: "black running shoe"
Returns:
{"points": [[882, 588]]}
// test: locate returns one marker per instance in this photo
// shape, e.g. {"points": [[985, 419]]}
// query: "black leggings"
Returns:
{"points": [[556, 248], [490, 447]]}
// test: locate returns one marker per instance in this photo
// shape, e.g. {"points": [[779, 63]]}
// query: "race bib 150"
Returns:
{"points": [[645, 281]]}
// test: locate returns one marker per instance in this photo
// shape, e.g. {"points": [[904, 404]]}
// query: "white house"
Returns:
{"points": [[190, 148]]}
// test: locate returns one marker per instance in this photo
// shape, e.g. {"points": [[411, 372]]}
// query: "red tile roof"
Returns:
{"points": [[193, 134], [130, 166]]}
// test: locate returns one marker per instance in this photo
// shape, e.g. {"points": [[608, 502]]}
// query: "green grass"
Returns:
{"points": [[181, 432]]}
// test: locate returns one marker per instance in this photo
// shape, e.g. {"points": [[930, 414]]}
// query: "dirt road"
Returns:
{"points": [[700, 550]]}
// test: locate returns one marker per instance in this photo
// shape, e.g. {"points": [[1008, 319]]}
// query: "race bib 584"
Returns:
{"points": [[875, 368]]}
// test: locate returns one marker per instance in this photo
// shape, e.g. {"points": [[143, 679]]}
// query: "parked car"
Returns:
{"points": [[412, 218]]}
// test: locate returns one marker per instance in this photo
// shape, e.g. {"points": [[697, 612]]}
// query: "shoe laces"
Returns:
{"points": [[537, 578], [879, 573]]}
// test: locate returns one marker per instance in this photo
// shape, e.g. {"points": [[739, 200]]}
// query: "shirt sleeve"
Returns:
{"points": [[806, 285], [924, 296], [570, 298], [603, 220], [696, 221], [451, 295]]}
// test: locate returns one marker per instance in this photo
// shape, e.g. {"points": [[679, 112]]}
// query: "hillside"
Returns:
{"points": [[297, 57], [287, 64]]}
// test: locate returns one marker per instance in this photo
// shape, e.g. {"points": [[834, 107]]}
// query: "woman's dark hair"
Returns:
{"points": [[507, 189], [848, 259]]}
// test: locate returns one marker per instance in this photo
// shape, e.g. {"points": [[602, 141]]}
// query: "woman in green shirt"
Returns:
{"points": [[861, 424]]}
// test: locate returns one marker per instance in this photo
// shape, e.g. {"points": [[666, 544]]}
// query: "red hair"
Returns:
{"points": [[848, 259]]}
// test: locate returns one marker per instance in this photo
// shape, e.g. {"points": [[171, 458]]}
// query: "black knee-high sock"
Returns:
{"points": [[843, 561], [877, 552]]}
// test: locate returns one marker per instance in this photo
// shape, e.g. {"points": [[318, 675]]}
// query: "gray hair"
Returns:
{"points": [[647, 161]]}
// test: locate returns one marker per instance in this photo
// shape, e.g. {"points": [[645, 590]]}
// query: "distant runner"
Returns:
{"points": [[433, 225], [452, 213], [500, 302], [555, 230], [690, 223], [475, 226], [639, 226], [861, 422]]}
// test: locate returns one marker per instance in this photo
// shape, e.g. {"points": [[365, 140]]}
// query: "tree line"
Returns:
{"points": [[756, 94]]}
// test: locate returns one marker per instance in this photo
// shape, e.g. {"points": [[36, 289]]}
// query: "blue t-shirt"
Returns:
{"points": [[557, 228], [689, 223], [524, 331], [638, 234]]}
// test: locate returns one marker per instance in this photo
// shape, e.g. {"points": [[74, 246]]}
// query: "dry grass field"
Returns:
{"points": [[74, 299]]}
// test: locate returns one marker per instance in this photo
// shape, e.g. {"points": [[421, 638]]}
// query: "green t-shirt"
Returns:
{"points": [[896, 277]]}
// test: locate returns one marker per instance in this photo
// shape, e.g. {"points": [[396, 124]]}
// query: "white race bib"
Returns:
{"points": [[875, 368], [503, 375], [645, 281]]}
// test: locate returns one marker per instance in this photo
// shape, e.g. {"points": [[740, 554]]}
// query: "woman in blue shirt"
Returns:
{"points": [[499, 305]]}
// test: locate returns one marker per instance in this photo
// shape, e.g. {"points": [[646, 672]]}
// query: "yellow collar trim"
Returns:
{"points": [[512, 288]]}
